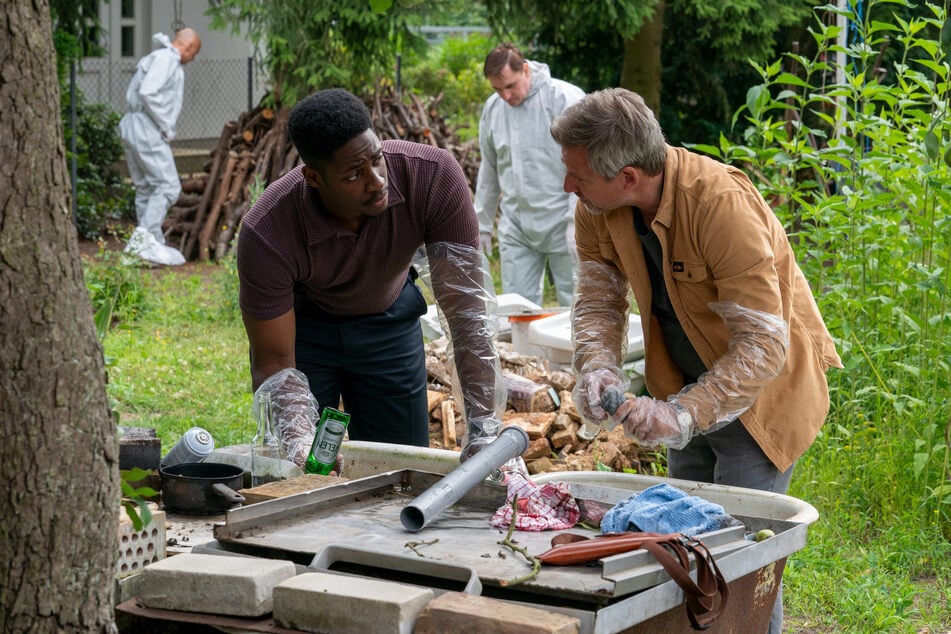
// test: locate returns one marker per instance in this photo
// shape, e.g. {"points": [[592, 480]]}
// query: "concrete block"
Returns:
{"points": [[139, 548], [343, 604], [213, 584], [460, 612]]}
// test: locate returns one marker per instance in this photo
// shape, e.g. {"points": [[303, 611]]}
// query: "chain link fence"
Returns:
{"points": [[216, 91]]}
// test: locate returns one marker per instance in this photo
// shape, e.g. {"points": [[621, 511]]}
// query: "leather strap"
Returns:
{"points": [[705, 598]]}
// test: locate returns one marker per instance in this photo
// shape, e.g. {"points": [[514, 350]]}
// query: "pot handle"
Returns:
{"points": [[227, 492]]}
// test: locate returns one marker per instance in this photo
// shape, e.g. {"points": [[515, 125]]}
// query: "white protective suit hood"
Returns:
{"points": [[521, 163]]}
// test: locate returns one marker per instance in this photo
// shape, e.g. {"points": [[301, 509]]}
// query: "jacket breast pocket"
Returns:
{"points": [[693, 282], [688, 272]]}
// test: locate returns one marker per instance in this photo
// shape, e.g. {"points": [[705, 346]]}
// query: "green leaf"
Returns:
{"points": [[789, 78], [707, 149], [381, 6], [754, 99], [932, 145]]}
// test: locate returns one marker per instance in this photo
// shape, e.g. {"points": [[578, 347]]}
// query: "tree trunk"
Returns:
{"points": [[59, 496], [641, 70]]}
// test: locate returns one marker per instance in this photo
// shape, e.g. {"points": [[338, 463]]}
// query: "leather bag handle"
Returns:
{"points": [[705, 599]]}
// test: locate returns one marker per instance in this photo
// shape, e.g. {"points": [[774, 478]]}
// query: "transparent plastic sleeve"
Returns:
{"points": [[654, 422], [756, 355], [465, 295], [294, 409], [599, 320]]}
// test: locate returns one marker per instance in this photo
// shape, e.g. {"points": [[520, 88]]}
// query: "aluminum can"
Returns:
{"points": [[194, 446]]}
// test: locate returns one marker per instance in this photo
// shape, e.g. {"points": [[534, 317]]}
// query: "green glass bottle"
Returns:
{"points": [[323, 452]]}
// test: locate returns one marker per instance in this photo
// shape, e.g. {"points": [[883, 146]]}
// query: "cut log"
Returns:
{"points": [[220, 153], [224, 187]]}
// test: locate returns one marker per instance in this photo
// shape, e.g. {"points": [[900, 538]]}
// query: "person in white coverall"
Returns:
{"points": [[521, 172], [154, 101]]}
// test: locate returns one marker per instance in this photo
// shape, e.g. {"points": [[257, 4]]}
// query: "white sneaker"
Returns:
{"points": [[143, 244]]}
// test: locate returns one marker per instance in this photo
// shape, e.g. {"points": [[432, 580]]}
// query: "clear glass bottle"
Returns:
{"points": [[267, 451]]}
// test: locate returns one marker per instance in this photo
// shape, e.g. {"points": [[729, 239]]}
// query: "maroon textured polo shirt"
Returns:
{"points": [[285, 239]]}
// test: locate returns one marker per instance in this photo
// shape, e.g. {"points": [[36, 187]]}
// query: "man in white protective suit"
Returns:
{"points": [[154, 101], [521, 172]]}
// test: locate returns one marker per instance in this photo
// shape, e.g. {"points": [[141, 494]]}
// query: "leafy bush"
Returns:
{"points": [[101, 195], [454, 68], [116, 289], [859, 170]]}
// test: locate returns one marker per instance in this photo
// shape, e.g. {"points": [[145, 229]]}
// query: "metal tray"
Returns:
{"points": [[364, 514]]}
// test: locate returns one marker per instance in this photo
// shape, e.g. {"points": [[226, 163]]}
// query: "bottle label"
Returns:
{"points": [[329, 442]]}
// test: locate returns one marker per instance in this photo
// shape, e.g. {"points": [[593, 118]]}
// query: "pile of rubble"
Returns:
{"points": [[540, 402]]}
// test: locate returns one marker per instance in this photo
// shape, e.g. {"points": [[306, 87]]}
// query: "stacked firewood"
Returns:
{"points": [[256, 150], [539, 401]]}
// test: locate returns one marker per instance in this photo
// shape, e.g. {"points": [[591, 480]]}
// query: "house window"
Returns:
{"points": [[128, 41], [128, 9]]}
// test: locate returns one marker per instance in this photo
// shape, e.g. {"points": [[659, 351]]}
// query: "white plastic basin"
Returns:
{"points": [[553, 334]]}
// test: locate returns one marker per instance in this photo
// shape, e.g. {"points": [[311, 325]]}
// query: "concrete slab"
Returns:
{"points": [[460, 612], [343, 604], [213, 584]]}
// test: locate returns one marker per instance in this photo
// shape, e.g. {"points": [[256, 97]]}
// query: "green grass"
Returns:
{"points": [[184, 361]]}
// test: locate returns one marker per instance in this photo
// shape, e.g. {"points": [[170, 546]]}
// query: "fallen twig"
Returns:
{"points": [[508, 543], [412, 545]]}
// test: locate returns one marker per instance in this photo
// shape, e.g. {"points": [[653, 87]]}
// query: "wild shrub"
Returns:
{"points": [[116, 289], [856, 160], [454, 69]]}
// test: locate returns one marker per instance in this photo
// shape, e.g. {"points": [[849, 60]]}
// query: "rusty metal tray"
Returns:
{"points": [[365, 514]]}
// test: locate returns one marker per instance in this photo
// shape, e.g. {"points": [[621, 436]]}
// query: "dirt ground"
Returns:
{"points": [[113, 240]]}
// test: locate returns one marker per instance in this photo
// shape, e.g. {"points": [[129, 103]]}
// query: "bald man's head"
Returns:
{"points": [[188, 44]]}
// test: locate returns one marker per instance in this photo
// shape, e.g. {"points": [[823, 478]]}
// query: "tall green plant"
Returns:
{"points": [[860, 171], [305, 46], [454, 70]]}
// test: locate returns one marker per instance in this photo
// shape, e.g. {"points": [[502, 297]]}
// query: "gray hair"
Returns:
{"points": [[617, 129]]}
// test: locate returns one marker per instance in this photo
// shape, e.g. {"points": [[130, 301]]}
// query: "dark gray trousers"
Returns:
{"points": [[731, 457]]}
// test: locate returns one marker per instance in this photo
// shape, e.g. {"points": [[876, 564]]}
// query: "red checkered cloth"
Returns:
{"points": [[547, 507]]}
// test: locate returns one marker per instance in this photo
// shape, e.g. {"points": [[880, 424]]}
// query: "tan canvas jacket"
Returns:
{"points": [[722, 242]]}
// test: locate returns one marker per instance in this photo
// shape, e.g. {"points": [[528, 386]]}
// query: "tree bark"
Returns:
{"points": [[641, 69], [59, 498]]}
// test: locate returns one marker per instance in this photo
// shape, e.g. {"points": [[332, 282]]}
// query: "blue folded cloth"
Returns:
{"points": [[666, 509]]}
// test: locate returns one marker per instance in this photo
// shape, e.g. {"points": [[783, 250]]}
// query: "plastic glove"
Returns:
{"points": [[485, 243], [295, 411], [588, 391], [474, 446], [339, 464], [503, 473], [654, 423], [482, 431]]}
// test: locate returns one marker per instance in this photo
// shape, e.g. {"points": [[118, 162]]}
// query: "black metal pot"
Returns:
{"points": [[201, 488]]}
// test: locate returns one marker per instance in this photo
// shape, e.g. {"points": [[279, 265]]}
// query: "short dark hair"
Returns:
{"points": [[325, 121], [501, 56]]}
